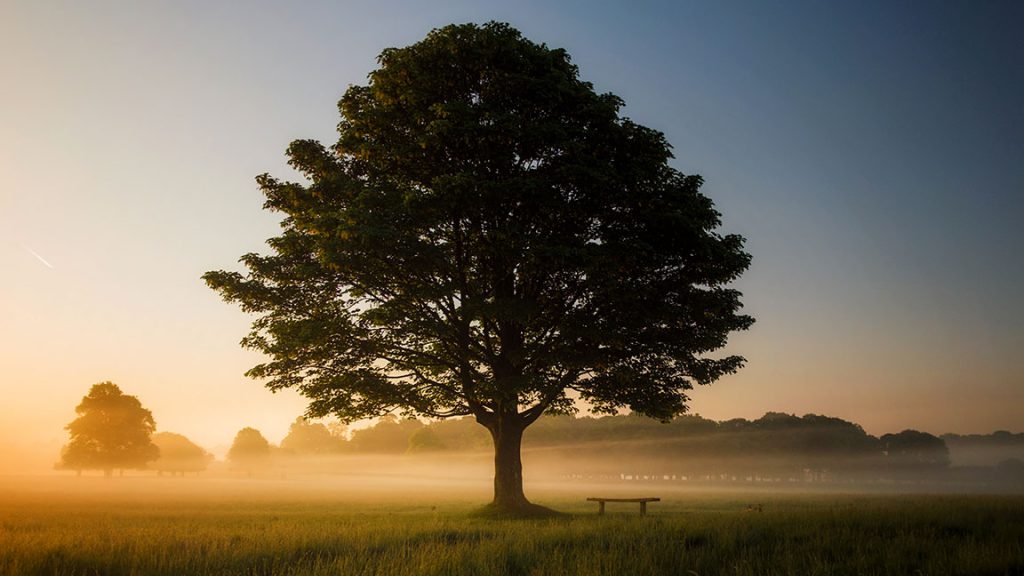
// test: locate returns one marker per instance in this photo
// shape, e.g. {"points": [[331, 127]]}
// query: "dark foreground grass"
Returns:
{"points": [[295, 532]]}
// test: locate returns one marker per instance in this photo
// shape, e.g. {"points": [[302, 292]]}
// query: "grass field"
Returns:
{"points": [[88, 526]]}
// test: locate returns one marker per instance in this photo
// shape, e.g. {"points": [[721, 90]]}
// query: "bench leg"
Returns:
{"points": [[600, 508], [643, 508]]}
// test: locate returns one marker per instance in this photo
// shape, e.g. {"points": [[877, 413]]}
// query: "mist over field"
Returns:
{"points": [[781, 493], [777, 452], [370, 525]]}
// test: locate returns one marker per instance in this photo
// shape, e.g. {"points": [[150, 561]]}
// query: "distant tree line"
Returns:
{"points": [[772, 444], [776, 445], [114, 432], [1002, 448]]}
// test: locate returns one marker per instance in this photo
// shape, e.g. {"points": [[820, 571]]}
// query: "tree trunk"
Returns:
{"points": [[507, 433]]}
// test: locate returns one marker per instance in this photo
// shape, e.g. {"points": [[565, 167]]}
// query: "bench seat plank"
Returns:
{"points": [[643, 503], [624, 499]]}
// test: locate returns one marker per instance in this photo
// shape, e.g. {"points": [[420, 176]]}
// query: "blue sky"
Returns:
{"points": [[872, 153]]}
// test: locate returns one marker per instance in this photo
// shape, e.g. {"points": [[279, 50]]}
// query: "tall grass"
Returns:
{"points": [[296, 533]]}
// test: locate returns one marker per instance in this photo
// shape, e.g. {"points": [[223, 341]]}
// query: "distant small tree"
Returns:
{"points": [[305, 437], [178, 454], [250, 450], [112, 431]]}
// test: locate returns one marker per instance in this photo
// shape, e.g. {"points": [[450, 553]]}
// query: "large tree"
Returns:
{"points": [[489, 237], [112, 431]]}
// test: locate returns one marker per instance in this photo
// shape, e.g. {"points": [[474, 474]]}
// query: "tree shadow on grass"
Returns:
{"points": [[525, 512]]}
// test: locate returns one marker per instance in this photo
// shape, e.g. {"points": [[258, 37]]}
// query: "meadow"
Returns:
{"points": [[369, 526]]}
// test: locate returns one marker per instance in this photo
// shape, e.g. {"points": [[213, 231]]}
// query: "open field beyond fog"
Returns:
{"points": [[176, 526]]}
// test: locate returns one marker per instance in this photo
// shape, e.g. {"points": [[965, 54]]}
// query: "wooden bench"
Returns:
{"points": [[643, 503]]}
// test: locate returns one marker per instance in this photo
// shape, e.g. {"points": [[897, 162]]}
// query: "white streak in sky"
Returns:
{"points": [[36, 254]]}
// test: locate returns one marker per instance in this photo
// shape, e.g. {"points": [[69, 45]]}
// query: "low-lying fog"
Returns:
{"points": [[777, 452], [579, 470]]}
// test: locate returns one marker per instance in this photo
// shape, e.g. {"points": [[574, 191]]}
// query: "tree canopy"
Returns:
{"points": [[489, 237], [913, 448], [178, 454], [250, 450], [306, 438], [112, 431]]}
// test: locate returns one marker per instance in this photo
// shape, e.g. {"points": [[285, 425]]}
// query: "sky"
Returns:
{"points": [[872, 153]]}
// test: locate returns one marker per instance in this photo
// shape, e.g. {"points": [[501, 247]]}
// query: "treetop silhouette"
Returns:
{"points": [[250, 450], [112, 431], [179, 455], [305, 437]]}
